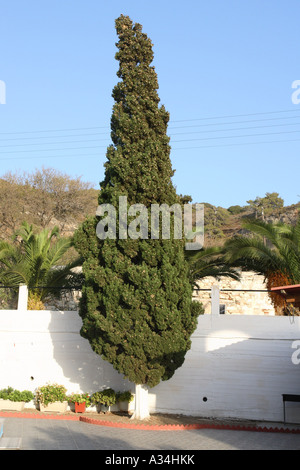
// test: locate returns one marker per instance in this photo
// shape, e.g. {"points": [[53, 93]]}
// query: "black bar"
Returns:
{"points": [[236, 290], [289, 397], [295, 398]]}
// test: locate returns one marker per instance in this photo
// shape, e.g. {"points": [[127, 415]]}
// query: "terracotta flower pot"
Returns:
{"points": [[79, 407]]}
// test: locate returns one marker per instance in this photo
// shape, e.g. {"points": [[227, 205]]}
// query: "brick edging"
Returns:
{"points": [[148, 427], [186, 427]]}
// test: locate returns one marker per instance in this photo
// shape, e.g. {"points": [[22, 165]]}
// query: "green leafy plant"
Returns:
{"points": [[80, 398], [210, 262], [51, 393], [105, 397], [16, 395], [124, 396], [31, 261], [269, 249]]}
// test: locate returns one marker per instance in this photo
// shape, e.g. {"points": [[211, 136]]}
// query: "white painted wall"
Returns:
{"points": [[241, 364], [43, 346]]}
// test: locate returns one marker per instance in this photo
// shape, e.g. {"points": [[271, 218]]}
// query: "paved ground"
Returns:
{"points": [[42, 434]]}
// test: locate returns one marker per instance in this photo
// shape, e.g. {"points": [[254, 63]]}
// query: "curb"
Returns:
{"points": [[149, 427], [187, 427]]}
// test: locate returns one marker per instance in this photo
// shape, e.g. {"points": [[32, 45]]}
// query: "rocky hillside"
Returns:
{"points": [[48, 198], [221, 224]]}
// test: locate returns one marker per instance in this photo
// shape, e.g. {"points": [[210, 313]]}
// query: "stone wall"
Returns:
{"points": [[238, 301]]}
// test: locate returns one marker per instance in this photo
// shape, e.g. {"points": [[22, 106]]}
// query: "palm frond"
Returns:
{"points": [[268, 248], [34, 259], [15, 276], [210, 262], [264, 230]]}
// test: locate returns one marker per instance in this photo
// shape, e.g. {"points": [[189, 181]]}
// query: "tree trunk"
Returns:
{"points": [[141, 409]]}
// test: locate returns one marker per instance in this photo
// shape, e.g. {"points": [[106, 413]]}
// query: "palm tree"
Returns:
{"points": [[272, 250], [210, 262], [34, 260]]}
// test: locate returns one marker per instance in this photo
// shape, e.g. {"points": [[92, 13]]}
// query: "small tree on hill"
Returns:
{"points": [[136, 306], [265, 205]]}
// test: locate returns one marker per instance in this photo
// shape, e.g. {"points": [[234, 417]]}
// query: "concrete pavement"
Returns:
{"points": [[48, 434]]}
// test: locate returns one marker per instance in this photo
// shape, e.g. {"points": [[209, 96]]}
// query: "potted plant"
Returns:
{"points": [[106, 398], [52, 397], [123, 399], [12, 399], [80, 400]]}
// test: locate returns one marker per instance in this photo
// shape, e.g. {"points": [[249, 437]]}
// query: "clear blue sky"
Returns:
{"points": [[214, 59]]}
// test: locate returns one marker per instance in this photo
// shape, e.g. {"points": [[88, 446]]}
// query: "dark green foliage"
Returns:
{"points": [[124, 396], [107, 397], [137, 307], [140, 144]]}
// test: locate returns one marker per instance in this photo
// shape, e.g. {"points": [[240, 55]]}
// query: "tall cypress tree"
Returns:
{"points": [[136, 306]]}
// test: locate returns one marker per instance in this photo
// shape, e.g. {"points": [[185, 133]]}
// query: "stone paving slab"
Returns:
{"points": [[10, 443], [47, 434], [157, 422]]}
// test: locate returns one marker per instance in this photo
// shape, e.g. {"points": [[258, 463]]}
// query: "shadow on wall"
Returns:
{"points": [[237, 367], [80, 366]]}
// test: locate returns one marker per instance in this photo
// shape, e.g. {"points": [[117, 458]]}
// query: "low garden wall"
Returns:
{"points": [[238, 366], [248, 296]]}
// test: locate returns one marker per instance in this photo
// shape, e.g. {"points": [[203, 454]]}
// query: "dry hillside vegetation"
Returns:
{"points": [[48, 197]]}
